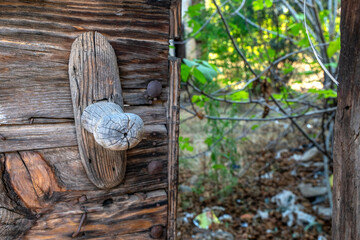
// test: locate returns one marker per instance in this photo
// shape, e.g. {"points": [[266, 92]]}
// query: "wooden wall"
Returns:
{"points": [[44, 190]]}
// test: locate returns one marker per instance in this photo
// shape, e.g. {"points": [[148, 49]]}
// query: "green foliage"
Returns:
{"points": [[334, 47], [201, 70], [269, 32], [324, 93], [184, 144]]}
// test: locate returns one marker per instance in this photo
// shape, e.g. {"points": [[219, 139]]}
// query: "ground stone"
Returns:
{"points": [[308, 191]]}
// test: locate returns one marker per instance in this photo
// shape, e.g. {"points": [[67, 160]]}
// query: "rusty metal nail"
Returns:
{"points": [[154, 89], [156, 231], [155, 167], [82, 221]]}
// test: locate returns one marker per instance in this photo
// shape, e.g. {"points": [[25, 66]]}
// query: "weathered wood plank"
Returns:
{"points": [[35, 44], [70, 173], [113, 217], [12, 218], [175, 19], [16, 111], [33, 181], [36, 136], [94, 76], [173, 127], [40, 136], [56, 106]]}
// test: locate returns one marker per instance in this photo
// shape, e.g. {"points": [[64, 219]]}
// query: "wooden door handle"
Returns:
{"points": [[112, 128], [101, 124]]}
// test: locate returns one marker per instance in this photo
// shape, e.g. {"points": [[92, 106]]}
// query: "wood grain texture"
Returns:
{"points": [[175, 20], [70, 173], [41, 136], [32, 179], [36, 136], [43, 203], [173, 127], [36, 114], [67, 163], [113, 217], [346, 193], [94, 76], [35, 44], [13, 221]]}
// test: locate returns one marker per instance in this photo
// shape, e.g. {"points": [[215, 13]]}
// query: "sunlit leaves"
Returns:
{"points": [[334, 47], [287, 68], [240, 95], [202, 71], [195, 10], [260, 4], [184, 144], [268, 3], [185, 72], [324, 93], [199, 100]]}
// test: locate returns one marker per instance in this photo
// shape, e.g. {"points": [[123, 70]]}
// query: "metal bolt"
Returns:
{"points": [[155, 167], [154, 89], [156, 231]]}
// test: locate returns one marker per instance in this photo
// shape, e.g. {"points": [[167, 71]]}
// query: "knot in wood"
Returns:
{"points": [[112, 128]]}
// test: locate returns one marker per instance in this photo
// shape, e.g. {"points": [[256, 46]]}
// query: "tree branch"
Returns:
{"points": [[232, 39]]}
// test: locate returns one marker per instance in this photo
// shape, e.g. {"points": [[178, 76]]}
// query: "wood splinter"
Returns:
{"points": [[101, 124]]}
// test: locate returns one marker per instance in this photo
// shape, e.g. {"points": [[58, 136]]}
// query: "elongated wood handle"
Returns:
{"points": [[100, 123], [112, 128]]}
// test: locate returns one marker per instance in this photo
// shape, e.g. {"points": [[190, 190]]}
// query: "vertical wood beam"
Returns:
{"points": [[175, 19], [346, 198], [173, 133]]}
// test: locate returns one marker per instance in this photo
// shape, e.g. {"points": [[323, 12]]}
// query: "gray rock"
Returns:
{"points": [[308, 191], [324, 212], [185, 189], [308, 155], [218, 235]]}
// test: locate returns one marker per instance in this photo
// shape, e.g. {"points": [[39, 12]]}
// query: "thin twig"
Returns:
{"points": [[308, 114], [326, 165], [264, 29], [232, 39], [221, 138], [260, 101], [277, 61], [301, 130], [316, 55]]}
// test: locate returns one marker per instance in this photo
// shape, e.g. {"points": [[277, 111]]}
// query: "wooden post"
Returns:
{"points": [[346, 214]]}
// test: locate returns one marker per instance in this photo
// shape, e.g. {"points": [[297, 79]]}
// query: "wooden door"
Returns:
{"points": [[44, 190]]}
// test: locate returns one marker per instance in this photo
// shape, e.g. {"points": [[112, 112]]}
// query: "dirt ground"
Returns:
{"points": [[271, 172]]}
